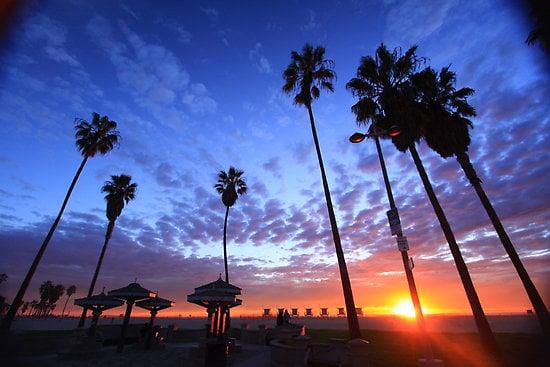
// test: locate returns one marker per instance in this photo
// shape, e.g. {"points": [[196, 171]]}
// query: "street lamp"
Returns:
{"points": [[395, 227]]}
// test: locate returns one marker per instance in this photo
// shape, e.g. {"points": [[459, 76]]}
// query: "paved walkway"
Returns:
{"points": [[261, 358]]}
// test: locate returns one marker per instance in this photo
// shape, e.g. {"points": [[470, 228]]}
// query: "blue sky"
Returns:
{"points": [[196, 87]]}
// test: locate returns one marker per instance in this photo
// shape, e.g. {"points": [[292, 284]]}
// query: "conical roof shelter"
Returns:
{"points": [[155, 303], [219, 285], [99, 300], [217, 293], [132, 291], [98, 303]]}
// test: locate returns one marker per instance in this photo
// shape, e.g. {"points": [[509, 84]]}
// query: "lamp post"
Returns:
{"points": [[402, 244]]}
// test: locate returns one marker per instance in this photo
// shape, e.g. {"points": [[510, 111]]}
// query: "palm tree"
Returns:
{"points": [[305, 76], [119, 191], [230, 185], [69, 292], [96, 137], [386, 97], [446, 130]]}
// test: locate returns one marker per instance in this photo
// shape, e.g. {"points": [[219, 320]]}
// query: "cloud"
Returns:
{"points": [[184, 36], [274, 166], [311, 22], [129, 11], [211, 13], [260, 62], [198, 100], [51, 36], [153, 74], [414, 20]]}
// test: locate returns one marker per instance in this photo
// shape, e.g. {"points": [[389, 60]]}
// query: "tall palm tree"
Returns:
{"points": [[306, 75], [119, 191], [386, 97], [446, 130], [69, 292], [230, 185], [99, 136]]}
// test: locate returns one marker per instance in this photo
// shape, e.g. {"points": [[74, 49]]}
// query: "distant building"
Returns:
{"points": [[341, 311], [324, 312], [309, 312]]}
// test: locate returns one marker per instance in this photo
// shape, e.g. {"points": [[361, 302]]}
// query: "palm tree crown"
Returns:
{"points": [[307, 74], [71, 290], [98, 136], [231, 185], [383, 88], [445, 110], [119, 192]]}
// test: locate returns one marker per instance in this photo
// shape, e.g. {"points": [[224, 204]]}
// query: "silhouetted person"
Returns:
{"points": [[286, 317], [280, 318]]}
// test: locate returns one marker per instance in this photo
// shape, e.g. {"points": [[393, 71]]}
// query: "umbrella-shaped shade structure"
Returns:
{"points": [[97, 303], [217, 297], [154, 305], [131, 293]]}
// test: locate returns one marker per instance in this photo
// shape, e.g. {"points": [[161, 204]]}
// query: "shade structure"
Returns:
{"points": [[156, 303], [218, 297], [100, 300], [131, 293], [219, 285], [98, 303], [153, 305]]}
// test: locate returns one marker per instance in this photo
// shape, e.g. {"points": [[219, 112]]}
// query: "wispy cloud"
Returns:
{"points": [[260, 62]]}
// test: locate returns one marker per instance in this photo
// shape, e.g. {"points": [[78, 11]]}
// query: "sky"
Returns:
{"points": [[196, 87]]}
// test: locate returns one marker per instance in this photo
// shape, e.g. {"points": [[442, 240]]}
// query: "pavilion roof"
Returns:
{"points": [[219, 285], [132, 291], [155, 303], [98, 300]]}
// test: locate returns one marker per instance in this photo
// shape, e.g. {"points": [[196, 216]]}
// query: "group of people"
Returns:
{"points": [[283, 317]]}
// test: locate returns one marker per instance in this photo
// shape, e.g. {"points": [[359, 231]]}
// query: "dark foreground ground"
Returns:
{"points": [[387, 348], [455, 349]]}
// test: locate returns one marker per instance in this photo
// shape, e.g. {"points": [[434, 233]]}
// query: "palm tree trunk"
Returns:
{"points": [[485, 332], [129, 305], [353, 322], [8, 319], [534, 296], [108, 234], [65, 305], [225, 258], [225, 244]]}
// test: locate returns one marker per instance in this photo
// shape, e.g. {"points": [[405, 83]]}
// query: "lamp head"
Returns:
{"points": [[357, 137], [394, 131]]}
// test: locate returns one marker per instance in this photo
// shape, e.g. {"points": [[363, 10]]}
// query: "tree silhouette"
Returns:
{"points": [[119, 191], [386, 98], [307, 74], [230, 185], [49, 295], [69, 292], [446, 129], [99, 136]]}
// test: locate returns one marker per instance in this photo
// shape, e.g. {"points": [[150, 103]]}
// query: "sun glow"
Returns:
{"points": [[404, 308]]}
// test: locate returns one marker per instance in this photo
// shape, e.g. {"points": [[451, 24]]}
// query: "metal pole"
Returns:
{"points": [[405, 257]]}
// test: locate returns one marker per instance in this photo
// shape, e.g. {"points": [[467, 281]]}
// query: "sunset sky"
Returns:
{"points": [[196, 87]]}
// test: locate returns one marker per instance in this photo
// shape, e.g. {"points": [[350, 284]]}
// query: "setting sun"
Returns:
{"points": [[404, 308]]}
